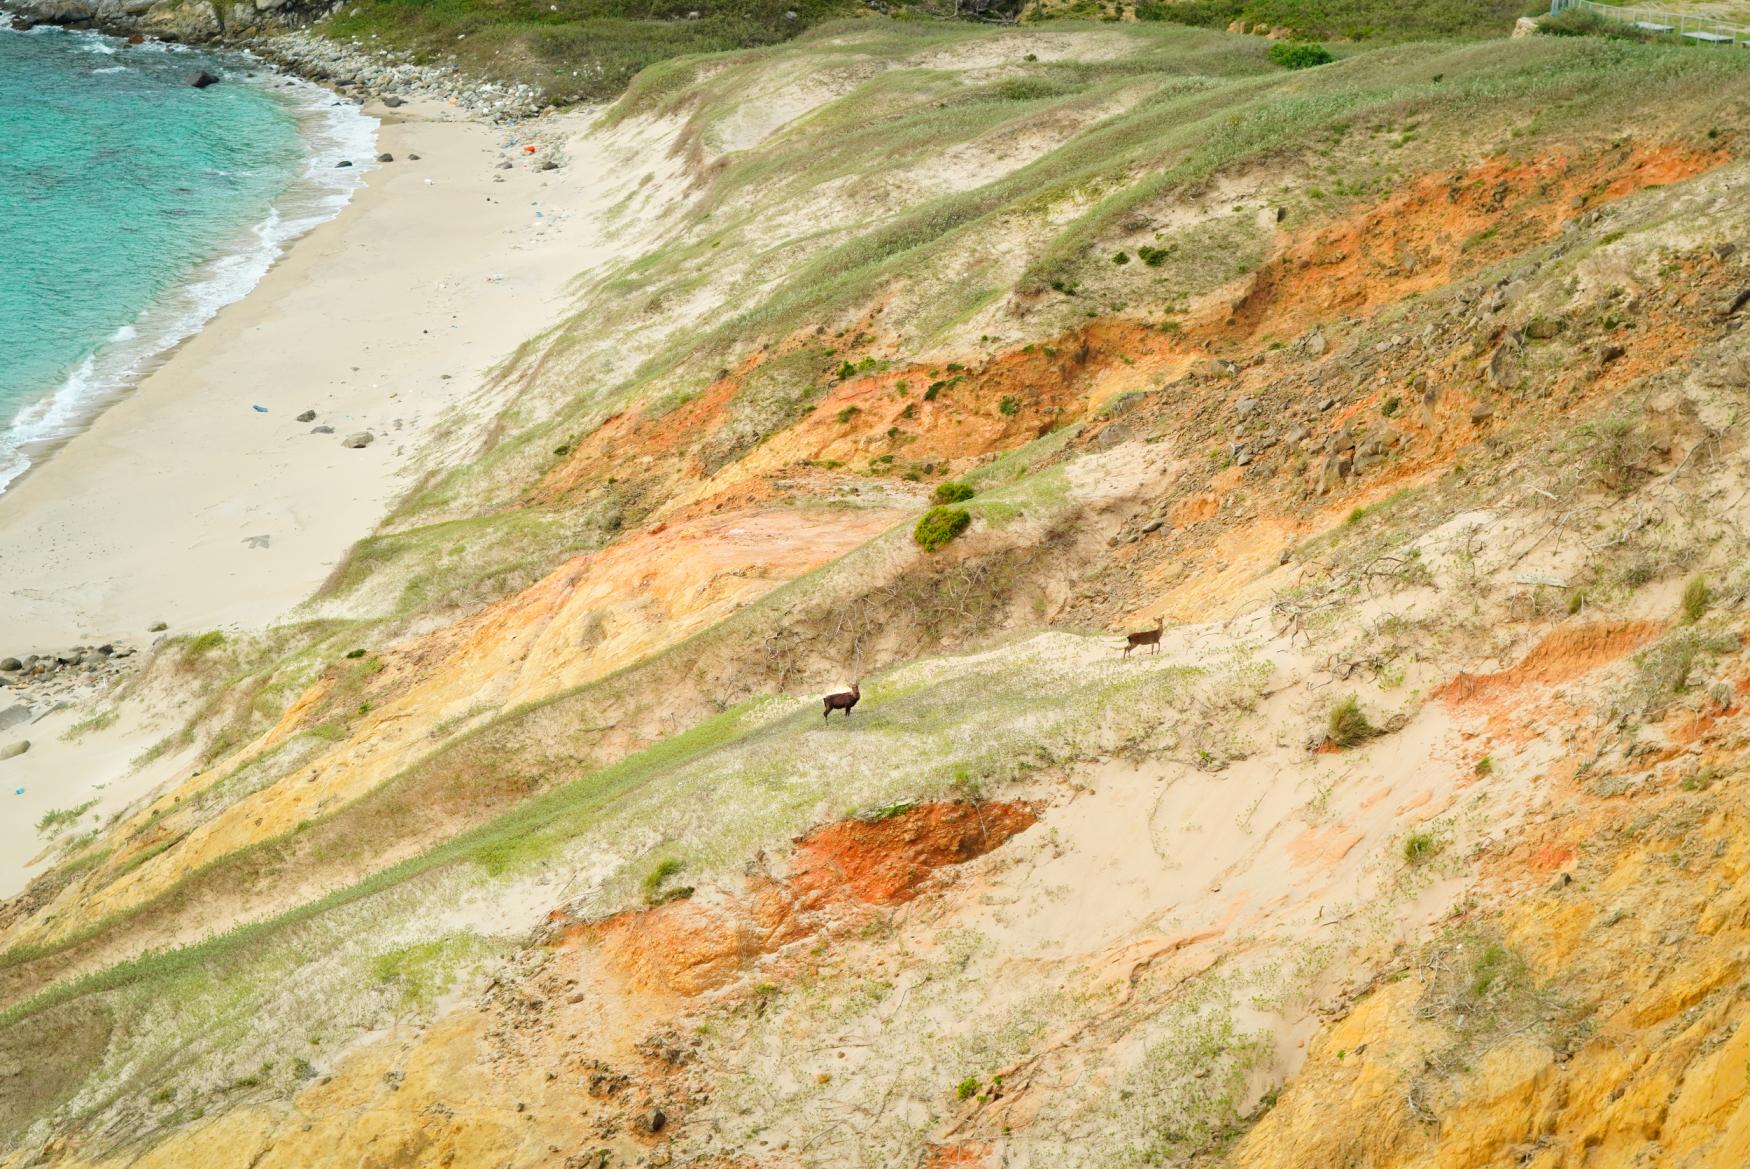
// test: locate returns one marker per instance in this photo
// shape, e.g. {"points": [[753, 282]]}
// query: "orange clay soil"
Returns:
{"points": [[1438, 227], [693, 945], [1562, 656]]}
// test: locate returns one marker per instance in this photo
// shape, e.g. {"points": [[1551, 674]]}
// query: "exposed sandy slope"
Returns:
{"points": [[183, 504]]}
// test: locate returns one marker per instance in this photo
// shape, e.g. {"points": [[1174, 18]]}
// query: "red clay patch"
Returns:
{"points": [[1441, 226], [1550, 858], [1564, 655], [691, 946]]}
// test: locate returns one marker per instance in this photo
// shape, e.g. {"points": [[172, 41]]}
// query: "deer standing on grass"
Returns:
{"points": [[843, 700], [1146, 637]]}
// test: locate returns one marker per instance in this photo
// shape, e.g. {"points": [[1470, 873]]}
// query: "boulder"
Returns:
{"points": [[14, 750], [157, 627], [11, 665], [322, 430], [1481, 413], [203, 79], [1110, 437], [385, 157], [1504, 365], [411, 157], [393, 102], [1542, 328], [307, 416], [342, 162], [363, 438], [548, 164]]}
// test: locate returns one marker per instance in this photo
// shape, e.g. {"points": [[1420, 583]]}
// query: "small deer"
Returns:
{"points": [[843, 700], [1146, 637]]}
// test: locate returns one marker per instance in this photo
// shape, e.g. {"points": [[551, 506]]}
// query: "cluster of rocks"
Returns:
{"points": [[171, 20], [83, 665], [53, 681], [275, 31], [364, 73], [358, 441]]}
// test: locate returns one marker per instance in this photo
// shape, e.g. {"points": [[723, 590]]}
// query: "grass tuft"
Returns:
{"points": [[1348, 725], [1697, 596]]}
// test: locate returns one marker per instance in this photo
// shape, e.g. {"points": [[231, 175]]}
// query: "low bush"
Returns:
{"points": [[1300, 54], [939, 525], [953, 492]]}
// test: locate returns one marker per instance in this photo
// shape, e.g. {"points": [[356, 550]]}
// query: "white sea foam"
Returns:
{"points": [[333, 131]]}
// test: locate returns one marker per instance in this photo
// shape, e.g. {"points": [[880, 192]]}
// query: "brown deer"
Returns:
{"points": [[843, 700], [1146, 637]]}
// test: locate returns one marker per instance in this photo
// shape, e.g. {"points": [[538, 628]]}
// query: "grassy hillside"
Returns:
{"points": [[589, 50], [1401, 392], [573, 50], [1354, 20]]}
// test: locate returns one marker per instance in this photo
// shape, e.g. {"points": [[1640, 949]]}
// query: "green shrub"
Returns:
{"points": [[1300, 54], [848, 413], [953, 492], [1696, 599], [1009, 406], [656, 888], [1201, 13], [1153, 257], [939, 525], [1121, 257], [1581, 22], [54, 821], [1419, 847], [212, 639], [966, 1089], [1348, 724]]}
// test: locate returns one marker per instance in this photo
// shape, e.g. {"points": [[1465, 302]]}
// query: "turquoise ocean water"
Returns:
{"points": [[133, 207]]}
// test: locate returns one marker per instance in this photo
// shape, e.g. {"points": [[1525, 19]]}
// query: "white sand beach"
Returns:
{"points": [[184, 504]]}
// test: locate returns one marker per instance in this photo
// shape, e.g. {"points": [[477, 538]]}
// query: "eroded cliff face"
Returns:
{"points": [[1416, 841]]}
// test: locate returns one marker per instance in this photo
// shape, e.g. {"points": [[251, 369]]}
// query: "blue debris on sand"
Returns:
{"points": [[260, 409], [18, 791]]}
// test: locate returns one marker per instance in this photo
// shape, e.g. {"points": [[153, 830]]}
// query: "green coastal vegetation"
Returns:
{"points": [[590, 50]]}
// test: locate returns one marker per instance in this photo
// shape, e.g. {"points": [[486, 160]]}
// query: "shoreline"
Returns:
{"points": [[316, 194], [181, 503]]}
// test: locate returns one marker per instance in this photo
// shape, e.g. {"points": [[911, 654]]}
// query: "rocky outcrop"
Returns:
{"points": [[178, 20]]}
